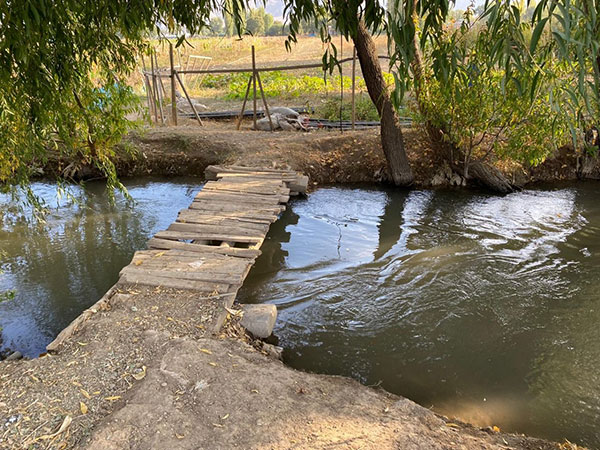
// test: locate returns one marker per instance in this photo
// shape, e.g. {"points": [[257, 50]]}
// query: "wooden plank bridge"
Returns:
{"points": [[212, 245]]}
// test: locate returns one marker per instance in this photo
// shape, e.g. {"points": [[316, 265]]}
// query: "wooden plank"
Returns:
{"points": [[233, 279], [207, 221], [186, 260], [295, 181], [167, 244], [212, 229], [230, 207], [241, 196], [259, 169], [252, 189], [201, 286], [242, 177], [179, 264], [245, 180], [245, 177], [248, 192], [182, 235], [249, 199], [203, 216]]}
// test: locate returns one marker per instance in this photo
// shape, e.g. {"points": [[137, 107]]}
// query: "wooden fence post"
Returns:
{"points": [[173, 87], [254, 85], [353, 89], [239, 122], [154, 90], [148, 88], [188, 99], [264, 99]]}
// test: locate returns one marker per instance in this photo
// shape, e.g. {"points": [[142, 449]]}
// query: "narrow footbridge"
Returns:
{"points": [[212, 245]]}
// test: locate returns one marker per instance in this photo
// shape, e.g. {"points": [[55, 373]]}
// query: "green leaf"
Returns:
{"points": [[537, 33]]}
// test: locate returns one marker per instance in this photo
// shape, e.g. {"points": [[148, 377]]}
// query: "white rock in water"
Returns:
{"points": [[259, 319]]}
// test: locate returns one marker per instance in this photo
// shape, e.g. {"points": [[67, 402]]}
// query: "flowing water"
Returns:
{"points": [[60, 267], [482, 307]]}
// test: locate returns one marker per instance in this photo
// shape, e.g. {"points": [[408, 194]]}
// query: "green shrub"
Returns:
{"points": [[365, 109]]}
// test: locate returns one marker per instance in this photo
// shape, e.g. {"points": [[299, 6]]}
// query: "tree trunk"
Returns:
{"points": [[391, 133]]}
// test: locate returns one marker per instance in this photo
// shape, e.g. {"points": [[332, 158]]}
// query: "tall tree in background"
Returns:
{"points": [[358, 20]]}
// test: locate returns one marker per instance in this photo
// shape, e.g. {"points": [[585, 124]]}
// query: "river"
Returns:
{"points": [[479, 306], [482, 307]]}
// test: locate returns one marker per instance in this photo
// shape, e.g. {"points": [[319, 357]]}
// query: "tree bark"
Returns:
{"points": [[392, 140]]}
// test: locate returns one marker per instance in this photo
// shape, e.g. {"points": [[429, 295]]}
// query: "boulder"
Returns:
{"points": [[259, 320]]}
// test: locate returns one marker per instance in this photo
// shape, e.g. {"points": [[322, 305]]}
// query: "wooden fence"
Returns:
{"points": [[155, 89]]}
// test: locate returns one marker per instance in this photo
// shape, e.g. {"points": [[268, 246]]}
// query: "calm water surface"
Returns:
{"points": [[486, 308], [63, 266]]}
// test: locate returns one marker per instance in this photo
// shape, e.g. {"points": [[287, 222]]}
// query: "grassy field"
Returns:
{"points": [[304, 87]]}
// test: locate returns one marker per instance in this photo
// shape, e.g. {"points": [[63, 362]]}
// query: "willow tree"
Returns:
{"points": [[63, 66], [540, 76]]}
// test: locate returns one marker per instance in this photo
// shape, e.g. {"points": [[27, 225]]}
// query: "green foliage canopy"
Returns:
{"points": [[62, 70]]}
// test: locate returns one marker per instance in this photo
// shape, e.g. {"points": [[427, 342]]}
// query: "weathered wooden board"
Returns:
{"points": [[242, 198], [248, 184], [224, 219], [191, 260], [235, 176], [230, 207], [243, 229], [186, 236], [175, 283], [297, 183], [207, 277], [238, 230], [249, 191], [167, 244], [243, 177]]}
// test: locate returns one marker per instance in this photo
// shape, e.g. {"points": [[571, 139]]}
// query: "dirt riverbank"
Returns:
{"points": [[148, 373], [325, 156]]}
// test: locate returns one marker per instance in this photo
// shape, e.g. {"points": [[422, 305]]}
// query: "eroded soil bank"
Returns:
{"points": [[148, 373], [325, 156]]}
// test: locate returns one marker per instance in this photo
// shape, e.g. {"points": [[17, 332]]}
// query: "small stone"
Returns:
{"points": [[273, 351], [259, 320], [14, 356], [134, 309]]}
